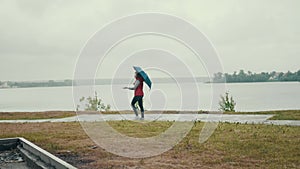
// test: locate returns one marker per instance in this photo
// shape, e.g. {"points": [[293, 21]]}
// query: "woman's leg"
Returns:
{"points": [[140, 101], [134, 100]]}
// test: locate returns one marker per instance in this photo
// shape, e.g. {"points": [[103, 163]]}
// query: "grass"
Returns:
{"points": [[230, 146], [140, 130], [35, 115], [278, 114]]}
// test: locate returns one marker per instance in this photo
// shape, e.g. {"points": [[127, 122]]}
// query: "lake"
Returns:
{"points": [[168, 96]]}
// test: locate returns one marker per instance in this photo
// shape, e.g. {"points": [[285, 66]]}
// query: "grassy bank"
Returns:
{"points": [[230, 146]]}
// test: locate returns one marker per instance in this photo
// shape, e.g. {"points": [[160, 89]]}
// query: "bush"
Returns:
{"points": [[226, 103], [94, 104]]}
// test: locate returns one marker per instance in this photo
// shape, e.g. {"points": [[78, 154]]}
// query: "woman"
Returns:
{"points": [[138, 95]]}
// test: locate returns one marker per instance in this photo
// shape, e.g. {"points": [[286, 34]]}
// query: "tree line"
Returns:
{"points": [[50, 83], [249, 76]]}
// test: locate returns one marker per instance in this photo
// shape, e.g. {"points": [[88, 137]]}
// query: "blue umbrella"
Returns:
{"points": [[144, 75]]}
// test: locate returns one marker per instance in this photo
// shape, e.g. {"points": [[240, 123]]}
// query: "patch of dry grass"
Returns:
{"points": [[35, 115]]}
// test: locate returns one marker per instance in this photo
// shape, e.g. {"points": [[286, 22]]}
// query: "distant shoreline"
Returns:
{"points": [[69, 83], [257, 82]]}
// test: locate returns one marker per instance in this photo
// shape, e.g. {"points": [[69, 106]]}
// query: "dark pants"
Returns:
{"points": [[138, 99]]}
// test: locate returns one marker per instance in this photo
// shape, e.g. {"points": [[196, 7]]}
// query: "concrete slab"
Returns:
{"points": [[32, 155]]}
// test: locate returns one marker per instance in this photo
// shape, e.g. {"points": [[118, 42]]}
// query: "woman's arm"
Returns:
{"points": [[136, 84]]}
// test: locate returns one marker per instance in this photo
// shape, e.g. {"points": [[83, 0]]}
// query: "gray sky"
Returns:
{"points": [[41, 40]]}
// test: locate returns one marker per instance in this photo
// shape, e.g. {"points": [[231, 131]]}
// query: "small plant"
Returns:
{"points": [[94, 104], [226, 103]]}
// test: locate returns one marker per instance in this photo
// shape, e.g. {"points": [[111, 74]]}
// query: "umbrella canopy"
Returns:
{"points": [[144, 75]]}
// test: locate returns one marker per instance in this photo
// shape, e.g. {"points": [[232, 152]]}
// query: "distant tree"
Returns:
{"points": [[226, 103], [219, 78], [68, 82], [273, 73], [289, 76], [280, 76], [242, 76], [234, 77]]}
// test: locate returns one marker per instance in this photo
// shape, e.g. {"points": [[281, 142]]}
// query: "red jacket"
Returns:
{"points": [[139, 90]]}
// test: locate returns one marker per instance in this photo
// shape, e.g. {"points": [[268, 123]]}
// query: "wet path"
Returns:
{"points": [[229, 118]]}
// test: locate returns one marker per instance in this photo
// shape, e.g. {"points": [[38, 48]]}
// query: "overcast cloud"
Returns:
{"points": [[41, 40]]}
